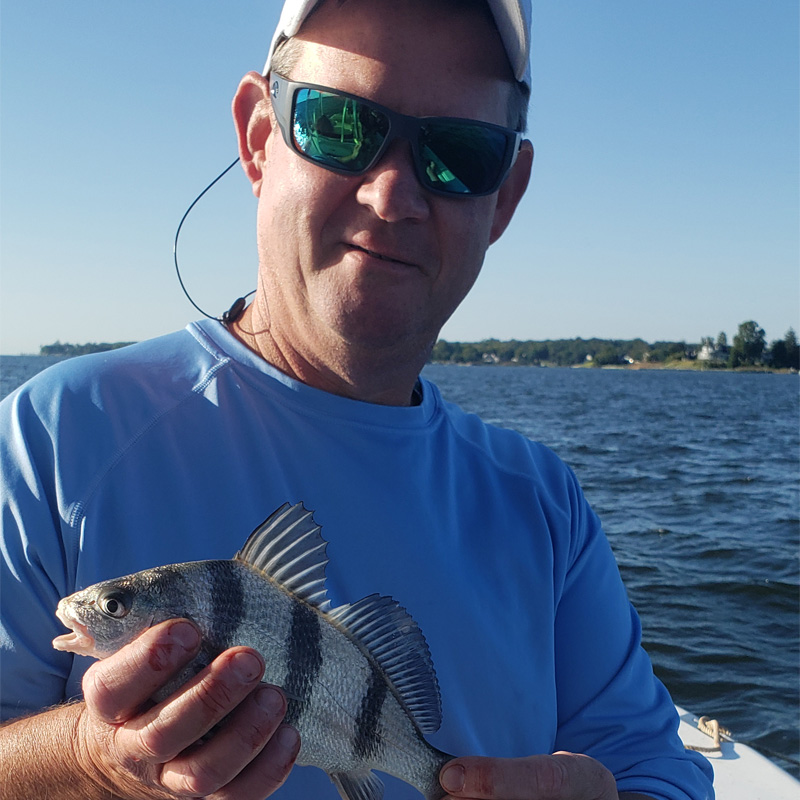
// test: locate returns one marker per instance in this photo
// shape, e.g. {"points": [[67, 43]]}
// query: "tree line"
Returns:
{"points": [[749, 348], [66, 349]]}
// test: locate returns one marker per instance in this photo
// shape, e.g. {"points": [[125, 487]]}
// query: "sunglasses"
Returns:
{"points": [[348, 134]]}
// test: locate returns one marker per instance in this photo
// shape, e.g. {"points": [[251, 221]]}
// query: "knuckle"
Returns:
{"points": [[100, 695], [215, 696], [552, 778], [195, 779], [485, 779], [162, 653], [274, 768], [162, 656], [253, 735], [153, 744]]}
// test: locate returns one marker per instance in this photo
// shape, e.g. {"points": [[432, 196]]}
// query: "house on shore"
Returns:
{"points": [[713, 354]]}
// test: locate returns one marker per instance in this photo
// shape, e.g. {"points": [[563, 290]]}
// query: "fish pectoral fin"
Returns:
{"points": [[362, 785]]}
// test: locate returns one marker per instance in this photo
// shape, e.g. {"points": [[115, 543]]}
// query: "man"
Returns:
{"points": [[174, 449]]}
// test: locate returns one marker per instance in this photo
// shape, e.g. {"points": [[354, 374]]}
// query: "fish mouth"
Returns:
{"points": [[78, 640]]}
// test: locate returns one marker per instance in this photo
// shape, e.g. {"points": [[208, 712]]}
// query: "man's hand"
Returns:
{"points": [[561, 776], [138, 751]]}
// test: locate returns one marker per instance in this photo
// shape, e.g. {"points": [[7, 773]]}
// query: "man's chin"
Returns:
{"points": [[390, 331]]}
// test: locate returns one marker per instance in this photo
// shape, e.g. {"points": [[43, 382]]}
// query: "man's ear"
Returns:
{"points": [[510, 193], [251, 117]]}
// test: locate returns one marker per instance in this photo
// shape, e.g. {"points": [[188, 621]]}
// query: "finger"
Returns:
{"points": [[202, 770], [268, 771], [563, 776], [160, 733], [116, 687]]}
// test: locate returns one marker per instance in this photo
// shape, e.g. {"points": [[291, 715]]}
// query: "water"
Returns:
{"points": [[695, 476], [15, 370]]}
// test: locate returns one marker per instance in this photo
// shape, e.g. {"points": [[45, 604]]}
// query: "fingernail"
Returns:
{"points": [[246, 667], [287, 737], [270, 700], [452, 779], [185, 634]]}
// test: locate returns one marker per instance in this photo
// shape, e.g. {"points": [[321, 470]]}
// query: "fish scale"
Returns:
{"points": [[359, 681]]}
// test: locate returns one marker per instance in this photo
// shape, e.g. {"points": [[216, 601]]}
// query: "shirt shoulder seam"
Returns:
{"points": [[78, 509]]}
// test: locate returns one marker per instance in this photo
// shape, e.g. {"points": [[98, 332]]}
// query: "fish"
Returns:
{"points": [[359, 679]]}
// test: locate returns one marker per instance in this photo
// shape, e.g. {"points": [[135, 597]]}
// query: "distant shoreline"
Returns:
{"points": [[749, 353], [689, 366], [69, 350], [671, 366], [692, 366]]}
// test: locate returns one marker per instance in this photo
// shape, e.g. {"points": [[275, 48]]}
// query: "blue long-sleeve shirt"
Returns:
{"points": [[175, 449]]}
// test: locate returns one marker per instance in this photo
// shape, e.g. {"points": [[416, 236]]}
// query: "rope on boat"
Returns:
{"points": [[710, 727]]}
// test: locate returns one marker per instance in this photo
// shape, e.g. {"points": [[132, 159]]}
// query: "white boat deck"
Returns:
{"points": [[740, 773]]}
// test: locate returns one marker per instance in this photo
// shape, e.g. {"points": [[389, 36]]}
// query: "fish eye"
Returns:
{"points": [[113, 604]]}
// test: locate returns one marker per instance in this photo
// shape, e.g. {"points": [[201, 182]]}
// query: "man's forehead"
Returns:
{"points": [[506, 21], [400, 35]]}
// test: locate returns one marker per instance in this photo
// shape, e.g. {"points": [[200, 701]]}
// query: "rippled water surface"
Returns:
{"points": [[695, 476], [15, 370]]}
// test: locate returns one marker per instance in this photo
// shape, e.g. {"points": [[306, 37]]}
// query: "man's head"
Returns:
{"points": [[358, 272], [512, 19]]}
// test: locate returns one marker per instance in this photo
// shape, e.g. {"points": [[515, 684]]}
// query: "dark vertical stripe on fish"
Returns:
{"points": [[227, 601], [305, 659], [366, 742]]}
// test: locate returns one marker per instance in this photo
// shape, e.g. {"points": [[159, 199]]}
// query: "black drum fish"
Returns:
{"points": [[359, 680]]}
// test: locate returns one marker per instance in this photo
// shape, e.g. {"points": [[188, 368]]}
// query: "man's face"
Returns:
{"points": [[376, 262]]}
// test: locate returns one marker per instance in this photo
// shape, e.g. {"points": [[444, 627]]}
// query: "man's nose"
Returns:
{"points": [[391, 187]]}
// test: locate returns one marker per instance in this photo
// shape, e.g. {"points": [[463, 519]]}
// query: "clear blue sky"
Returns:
{"points": [[664, 200]]}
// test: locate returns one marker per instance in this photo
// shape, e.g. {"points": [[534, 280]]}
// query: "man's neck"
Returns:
{"points": [[380, 376]]}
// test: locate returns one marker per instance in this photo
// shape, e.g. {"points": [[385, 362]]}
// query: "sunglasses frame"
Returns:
{"points": [[401, 126]]}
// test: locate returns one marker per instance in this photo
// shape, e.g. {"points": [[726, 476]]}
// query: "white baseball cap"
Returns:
{"points": [[512, 17]]}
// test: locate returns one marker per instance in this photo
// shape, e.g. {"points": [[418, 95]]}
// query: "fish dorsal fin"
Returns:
{"points": [[289, 549], [395, 641]]}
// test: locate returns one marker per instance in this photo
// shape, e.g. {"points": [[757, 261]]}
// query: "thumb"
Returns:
{"points": [[562, 776]]}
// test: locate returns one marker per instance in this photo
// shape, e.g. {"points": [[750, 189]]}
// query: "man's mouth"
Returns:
{"points": [[382, 256]]}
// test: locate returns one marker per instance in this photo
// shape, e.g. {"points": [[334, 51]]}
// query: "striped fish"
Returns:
{"points": [[359, 681]]}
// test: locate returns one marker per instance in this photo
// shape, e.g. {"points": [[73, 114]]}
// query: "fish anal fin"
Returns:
{"points": [[289, 549], [393, 639], [364, 785]]}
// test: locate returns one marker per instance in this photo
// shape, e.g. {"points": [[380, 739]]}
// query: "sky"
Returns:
{"points": [[663, 202]]}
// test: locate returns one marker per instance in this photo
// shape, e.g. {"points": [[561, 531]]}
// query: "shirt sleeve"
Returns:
{"points": [[34, 562], [610, 704]]}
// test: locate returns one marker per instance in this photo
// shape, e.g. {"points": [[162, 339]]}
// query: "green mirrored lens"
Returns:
{"points": [[337, 131], [348, 134], [462, 157]]}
